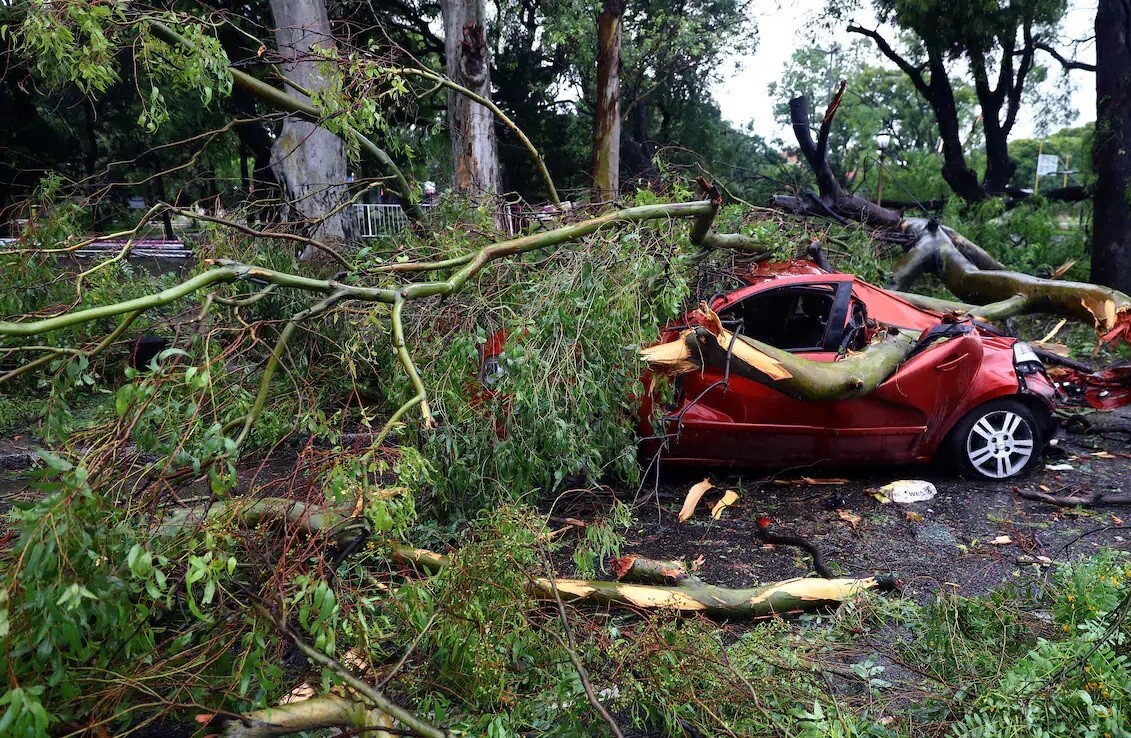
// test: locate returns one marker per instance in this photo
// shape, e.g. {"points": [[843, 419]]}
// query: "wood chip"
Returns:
{"points": [[692, 500], [729, 498], [1052, 334]]}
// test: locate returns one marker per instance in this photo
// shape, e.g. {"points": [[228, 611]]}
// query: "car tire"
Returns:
{"points": [[998, 440]]}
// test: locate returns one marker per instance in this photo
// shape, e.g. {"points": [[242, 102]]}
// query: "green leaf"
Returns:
{"points": [[53, 461]]}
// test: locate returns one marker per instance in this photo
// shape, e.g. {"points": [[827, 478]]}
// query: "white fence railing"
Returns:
{"points": [[381, 219]]}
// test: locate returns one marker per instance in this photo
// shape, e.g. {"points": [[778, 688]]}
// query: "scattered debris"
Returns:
{"points": [[879, 496], [811, 481], [1059, 467], [692, 500], [1039, 560], [1001, 541], [913, 517], [729, 498], [907, 491], [849, 517], [765, 535]]}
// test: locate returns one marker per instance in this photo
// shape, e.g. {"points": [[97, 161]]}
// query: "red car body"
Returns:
{"points": [[724, 419]]}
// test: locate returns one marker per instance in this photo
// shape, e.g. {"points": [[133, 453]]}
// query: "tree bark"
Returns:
{"points": [[967, 270], [310, 160], [607, 118], [475, 155], [1111, 160], [709, 344]]}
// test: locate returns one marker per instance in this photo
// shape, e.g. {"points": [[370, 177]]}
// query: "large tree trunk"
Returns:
{"points": [[967, 270], [961, 179], [309, 160], [606, 123], [475, 153], [1111, 160]]}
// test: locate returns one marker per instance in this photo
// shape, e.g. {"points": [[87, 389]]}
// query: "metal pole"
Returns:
{"points": [[1037, 179], [880, 189]]}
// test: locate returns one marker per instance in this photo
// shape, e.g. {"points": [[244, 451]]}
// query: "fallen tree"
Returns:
{"points": [[966, 269], [709, 344], [641, 584]]}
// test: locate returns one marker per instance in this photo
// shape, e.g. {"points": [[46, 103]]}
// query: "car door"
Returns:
{"points": [[730, 419], [891, 423]]}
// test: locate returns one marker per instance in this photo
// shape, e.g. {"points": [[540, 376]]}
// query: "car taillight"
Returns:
{"points": [[1025, 360]]}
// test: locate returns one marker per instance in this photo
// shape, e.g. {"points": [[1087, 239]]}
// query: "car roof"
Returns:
{"points": [[882, 305]]}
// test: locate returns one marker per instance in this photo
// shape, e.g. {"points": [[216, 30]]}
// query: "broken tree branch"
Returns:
{"points": [[1087, 498], [535, 157], [967, 270], [281, 100], [367, 694], [708, 344], [690, 594]]}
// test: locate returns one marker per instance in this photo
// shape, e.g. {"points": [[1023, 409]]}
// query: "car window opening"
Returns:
{"points": [[790, 319]]}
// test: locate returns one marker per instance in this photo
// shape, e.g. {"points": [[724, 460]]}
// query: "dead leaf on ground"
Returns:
{"points": [[692, 500], [729, 498], [849, 517], [1001, 541], [1116, 520], [914, 517], [697, 562], [1102, 455], [879, 496]]}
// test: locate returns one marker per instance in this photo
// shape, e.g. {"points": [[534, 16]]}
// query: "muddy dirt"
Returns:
{"points": [[945, 541]]}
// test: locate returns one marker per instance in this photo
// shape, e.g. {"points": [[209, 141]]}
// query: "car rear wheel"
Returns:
{"points": [[998, 440]]}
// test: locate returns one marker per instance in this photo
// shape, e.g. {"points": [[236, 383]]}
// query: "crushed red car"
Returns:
{"points": [[982, 399], [967, 393]]}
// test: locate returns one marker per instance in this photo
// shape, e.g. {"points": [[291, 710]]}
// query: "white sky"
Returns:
{"points": [[784, 26]]}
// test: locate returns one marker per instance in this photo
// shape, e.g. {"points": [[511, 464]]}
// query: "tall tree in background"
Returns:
{"points": [[475, 154], [997, 41], [309, 160], [606, 119], [1111, 240], [877, 99]]}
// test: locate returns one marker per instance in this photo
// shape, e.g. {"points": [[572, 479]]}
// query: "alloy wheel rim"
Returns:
{"points": [[1000, 444]]}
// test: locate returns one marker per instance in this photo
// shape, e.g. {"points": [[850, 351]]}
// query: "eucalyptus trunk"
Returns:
{"points": [[1111, 239], [475, 155], [309, 160], [607, 119]]}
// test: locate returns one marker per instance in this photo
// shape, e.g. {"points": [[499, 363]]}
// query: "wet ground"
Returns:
{"points": [[958, 538], [972, 535]]}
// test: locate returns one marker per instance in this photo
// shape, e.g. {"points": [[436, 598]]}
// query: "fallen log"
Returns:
{"points": [[709, 344], [331, 710], [1089, 498], [980, 281], [688, 594]]}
